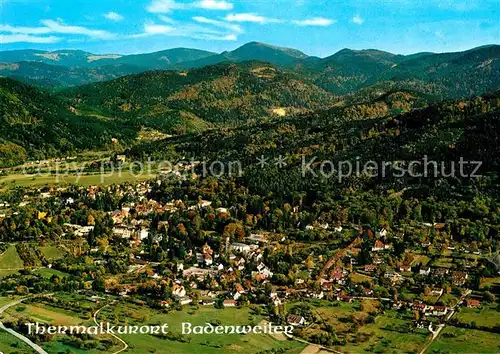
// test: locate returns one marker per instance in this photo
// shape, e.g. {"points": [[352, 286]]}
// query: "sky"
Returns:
{"points": [[316, 27]]}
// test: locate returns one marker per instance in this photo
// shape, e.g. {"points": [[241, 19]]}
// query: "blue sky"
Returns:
{"points": [[317, 27]]}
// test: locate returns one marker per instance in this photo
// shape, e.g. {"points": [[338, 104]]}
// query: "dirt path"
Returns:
{"points": [[436, 333], [125, 345]]}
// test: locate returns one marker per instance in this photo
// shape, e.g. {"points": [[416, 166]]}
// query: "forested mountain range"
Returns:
{"points": [[77, 58], [396, 127], [56, 77], [39, 124], [35, 124], [278, 56], [450, 75], [223, 93], [354, 87]]}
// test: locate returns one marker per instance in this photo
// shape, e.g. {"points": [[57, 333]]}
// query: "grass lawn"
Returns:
{"points": [[10, 259], [6, 273], [443, 262], [11, 345], [408, 296], [459, 340], [52, 252], [385, 336], [84, 180], [48, 272], [492, 283], [6, 300], [195, 343], [336, 314], [487, 315], [56, 346], [431, 299], [46, 314], [420, 258], [449, 299], [360, 278], [38, 312], [388, 333]]}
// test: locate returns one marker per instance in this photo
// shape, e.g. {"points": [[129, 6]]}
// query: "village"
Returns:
{"points": [[178, 253]]}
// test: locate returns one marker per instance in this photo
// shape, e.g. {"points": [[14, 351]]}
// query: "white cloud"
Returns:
{"points": [[166, 6], [357, 19], [217, 23], [59, 27], [250, 17], [227, 37], [214, 5], [30, 34], [186, 30], [26, 38], [245, 17], [316, 21], [157, 29], [113, 16], [166, 19], [24, 30]]}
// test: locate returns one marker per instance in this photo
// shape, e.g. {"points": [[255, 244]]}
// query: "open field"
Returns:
{"points": [[360, 278], [5, 300], [10, 259], [52, 252], [487, 315], [387, 334], [8, 343], [459, 340], [48, 272], [492, 283], [84, 180], [11, 345], [43, 313], [378, 335], [127, 313], [420, 258], [6, 273], [202, 343], [443, 262]]}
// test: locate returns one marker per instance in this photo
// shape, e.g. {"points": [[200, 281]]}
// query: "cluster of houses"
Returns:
{"points": [[130, 222], [432, 310], [49, 161], [457, 278]]}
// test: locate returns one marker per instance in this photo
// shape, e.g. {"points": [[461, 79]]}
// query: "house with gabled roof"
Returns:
{"points": [[295, 320], [379, 246]]}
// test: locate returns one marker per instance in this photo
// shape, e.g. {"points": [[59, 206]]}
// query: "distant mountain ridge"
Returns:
{"points": [[226, 93], [57, 77], [165, 59], [76, 58], [191, 58], [37, 124], [447, 75], [279, 56]]}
